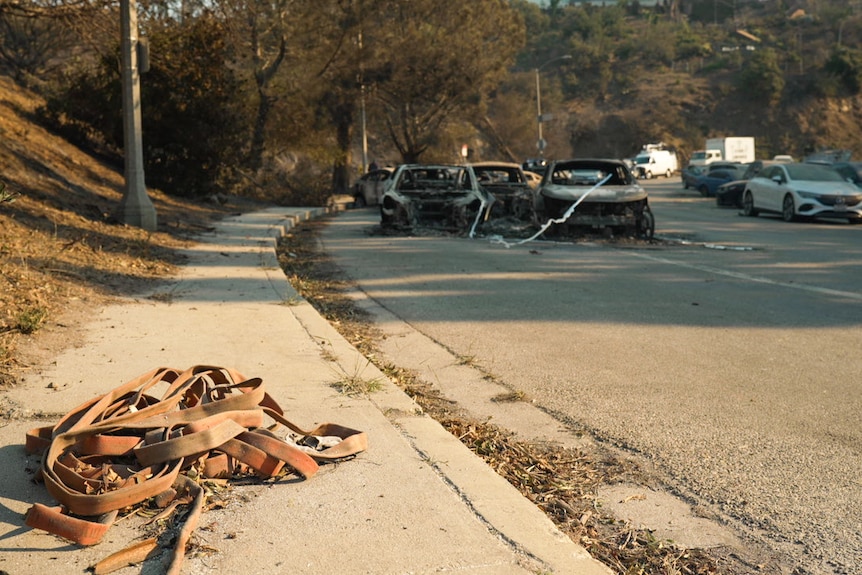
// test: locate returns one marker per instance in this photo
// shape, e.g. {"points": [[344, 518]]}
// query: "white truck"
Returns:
{"points": [[701, 158], [738, 149], [653, 161]]}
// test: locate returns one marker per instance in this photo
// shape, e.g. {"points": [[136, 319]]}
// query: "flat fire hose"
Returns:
{"points": [[127, 446]]}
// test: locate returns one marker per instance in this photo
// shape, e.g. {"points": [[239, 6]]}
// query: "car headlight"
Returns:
{"points": [[808, 195]]}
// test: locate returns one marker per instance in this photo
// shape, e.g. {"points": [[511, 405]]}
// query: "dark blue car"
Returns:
{"points": [[708, 183], [690, 175], [730, 194]]}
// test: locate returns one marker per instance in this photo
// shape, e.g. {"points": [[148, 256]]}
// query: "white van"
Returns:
{"points": [[655, 163]]}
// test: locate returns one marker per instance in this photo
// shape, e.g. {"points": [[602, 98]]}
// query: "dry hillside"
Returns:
{"points": [[61, 252], [682, 110]]}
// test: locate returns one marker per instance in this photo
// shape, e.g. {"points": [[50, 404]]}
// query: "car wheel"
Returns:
{"points": [[684, 185], [647, 175], [704, 191], [788, 209], [646, 224], [359, 201], [668, 174], [748, 208]]}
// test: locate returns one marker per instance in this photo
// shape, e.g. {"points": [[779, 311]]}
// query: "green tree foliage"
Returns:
{"points": [[195, 128], [845, 64], [593, 35], [691, 44], [85, 107], [761, 77]]}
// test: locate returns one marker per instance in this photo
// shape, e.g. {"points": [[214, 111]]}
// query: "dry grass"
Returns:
{"points": [[60, 249]]}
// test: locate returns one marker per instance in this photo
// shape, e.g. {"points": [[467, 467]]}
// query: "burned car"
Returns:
{"points": [[507, 182], [607, 195], [368, 189], [447, 197]]}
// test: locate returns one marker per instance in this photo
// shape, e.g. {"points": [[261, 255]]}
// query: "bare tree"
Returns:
{"points": [[260, 31], [442, 61]]}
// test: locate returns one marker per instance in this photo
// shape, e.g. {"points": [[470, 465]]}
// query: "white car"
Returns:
{"points": [[802, 191]]}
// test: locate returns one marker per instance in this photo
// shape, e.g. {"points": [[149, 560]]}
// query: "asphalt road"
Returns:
{"points": [[730, 356]]}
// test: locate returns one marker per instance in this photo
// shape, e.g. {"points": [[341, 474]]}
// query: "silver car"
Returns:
{"points": [[802, 191]]}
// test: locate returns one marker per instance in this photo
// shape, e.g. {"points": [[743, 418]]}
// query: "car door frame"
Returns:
{"points": [[770, 192]]}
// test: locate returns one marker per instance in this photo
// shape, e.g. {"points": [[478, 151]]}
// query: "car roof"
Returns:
{"points": [[491, 164], [587, 161], [434, 166]]}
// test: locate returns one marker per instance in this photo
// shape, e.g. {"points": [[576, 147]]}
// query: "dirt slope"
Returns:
{"points": [[60, 250]]}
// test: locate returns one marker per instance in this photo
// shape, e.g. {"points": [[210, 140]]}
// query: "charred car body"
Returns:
{"points": [[508, 184], [608, 197], [435, 195]]}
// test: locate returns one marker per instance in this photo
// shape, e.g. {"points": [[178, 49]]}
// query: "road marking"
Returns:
{"points": [[751, 278]]}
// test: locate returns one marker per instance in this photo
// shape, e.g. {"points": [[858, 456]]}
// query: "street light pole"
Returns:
{"points": [[362, 112], [136, 209], [540, 143]]}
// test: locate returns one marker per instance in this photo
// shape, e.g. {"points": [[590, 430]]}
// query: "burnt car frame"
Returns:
{"points": [[368, 189], [442, 196], [608, 197], [508, 183]]}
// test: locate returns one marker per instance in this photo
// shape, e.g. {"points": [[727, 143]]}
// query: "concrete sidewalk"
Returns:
{"points": [[417, 501]]}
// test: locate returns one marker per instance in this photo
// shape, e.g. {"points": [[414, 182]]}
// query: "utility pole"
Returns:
{"points": [[362, 112], [540, 143], [136, 209]]}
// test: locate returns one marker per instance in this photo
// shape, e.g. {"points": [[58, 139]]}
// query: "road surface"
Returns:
{"points": [[728, 356]]}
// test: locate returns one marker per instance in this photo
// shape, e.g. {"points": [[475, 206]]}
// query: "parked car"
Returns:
{"points": [[708, 183], [690, 175], [368, 189], [607, 193], [829, 157], [730, 193], [726, 166], [435, 195], [850, 171], [507, 182], [798, 190]]}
